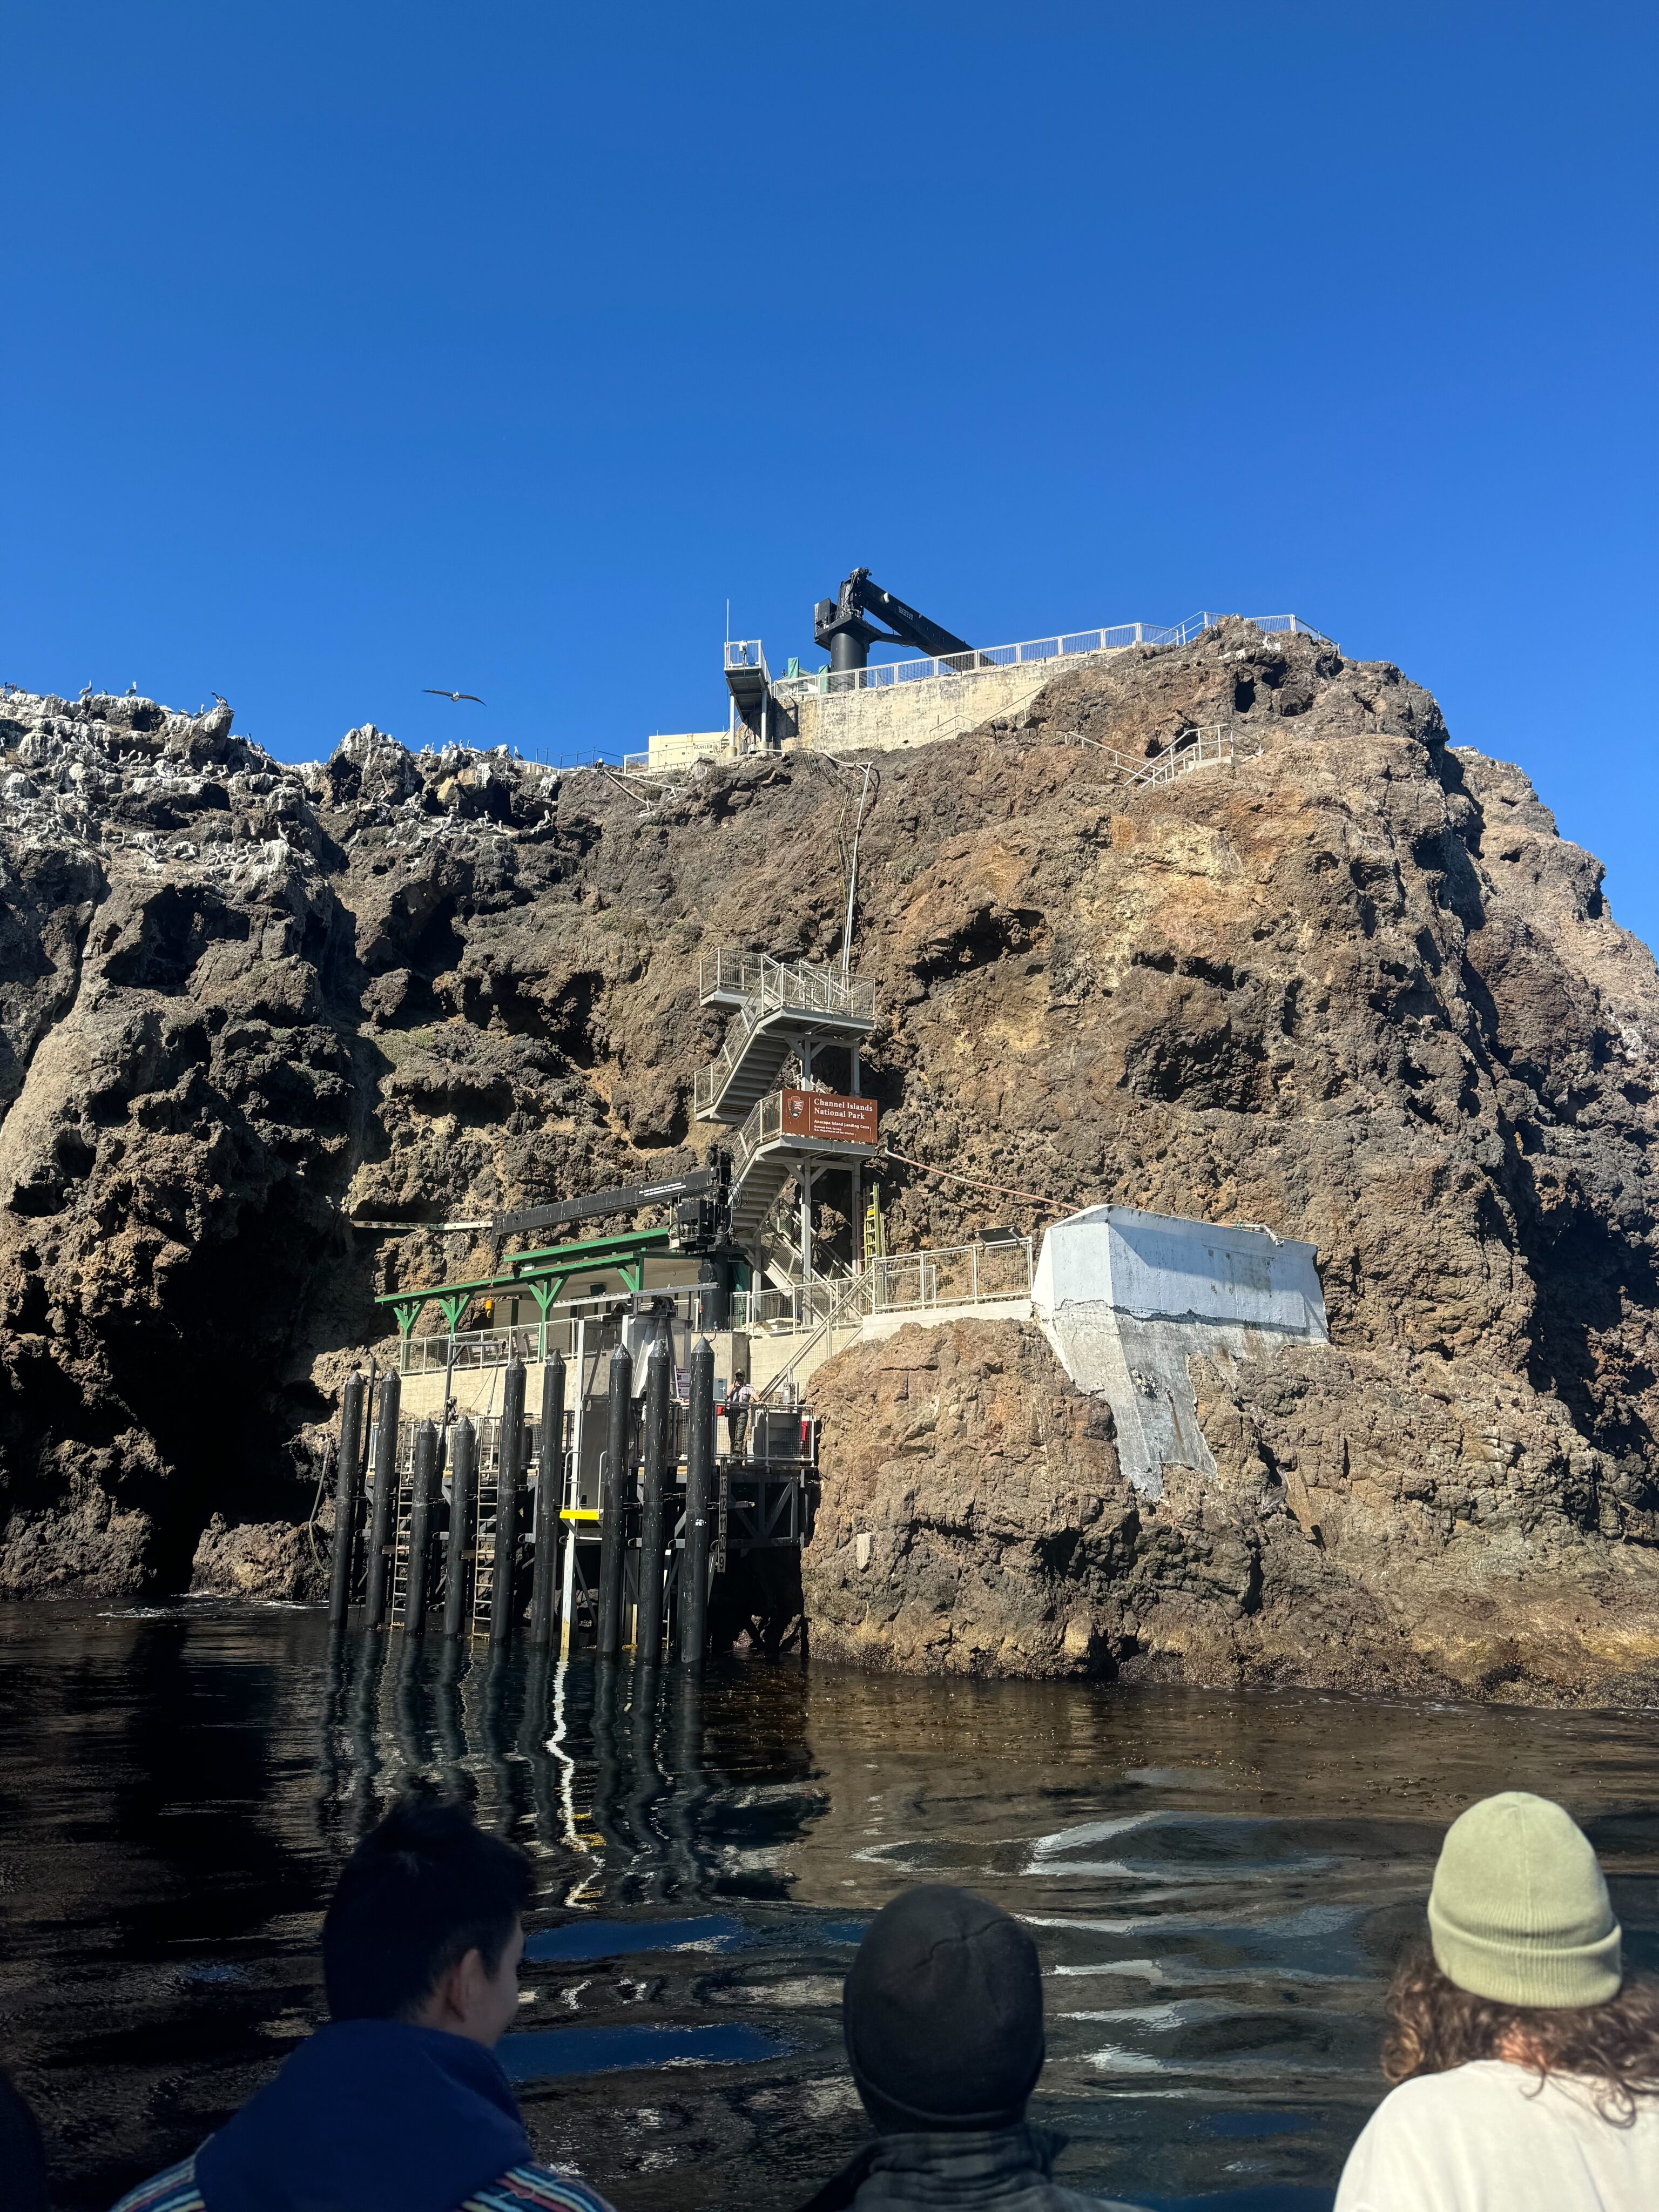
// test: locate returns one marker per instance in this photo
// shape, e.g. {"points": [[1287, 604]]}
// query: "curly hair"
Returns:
{"points": [[1614, 2048]]}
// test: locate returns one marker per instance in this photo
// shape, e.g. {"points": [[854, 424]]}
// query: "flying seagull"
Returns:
{"points": [[472, 696]]}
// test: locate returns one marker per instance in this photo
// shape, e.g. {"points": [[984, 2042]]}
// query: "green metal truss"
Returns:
{"points": [[544, 1274]]}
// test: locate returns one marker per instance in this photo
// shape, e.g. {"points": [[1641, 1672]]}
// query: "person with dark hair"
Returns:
{"points": [[942, 2015], [1527, 2058], [398, 2105], [22, 2159]]}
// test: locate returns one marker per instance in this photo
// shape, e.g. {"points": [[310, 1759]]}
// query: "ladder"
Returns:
{"points": [[397, 1611], [875, 1242], [484, 1552]]}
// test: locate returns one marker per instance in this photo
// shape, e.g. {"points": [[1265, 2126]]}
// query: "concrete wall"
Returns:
{"points": [[885, 718], [1128, 1298], [897, 715], [680, 750]]}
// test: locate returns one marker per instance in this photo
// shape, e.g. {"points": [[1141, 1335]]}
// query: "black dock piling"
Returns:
{"points": [[648, 1620], [549, 1501], [463, 1461], [613, 1491], [420, 1529], [509, 1462], [699, 1483], [385, 1499], [345, 1499]]}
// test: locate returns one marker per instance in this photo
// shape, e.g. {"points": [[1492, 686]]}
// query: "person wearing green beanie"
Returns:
{"points": [[1527, 2059]]}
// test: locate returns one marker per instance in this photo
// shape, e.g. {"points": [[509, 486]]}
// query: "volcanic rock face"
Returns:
{"points": [[1355, 988]]}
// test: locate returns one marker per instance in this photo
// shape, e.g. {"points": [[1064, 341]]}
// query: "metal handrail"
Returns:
{"points": [[764, 1120], [904, 1282], [769, 986], [1186, 753], [745, 653], [1190, 749], [1069, 645], [854, 1285]]}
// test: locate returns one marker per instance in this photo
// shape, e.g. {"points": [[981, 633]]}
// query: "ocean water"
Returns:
{"points": [[1218, 1886]]}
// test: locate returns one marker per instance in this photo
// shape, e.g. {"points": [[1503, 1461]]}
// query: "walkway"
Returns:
{"points": [[778, 1006]]}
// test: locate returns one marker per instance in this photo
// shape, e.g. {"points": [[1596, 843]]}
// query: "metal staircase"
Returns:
{"points": [[765, 1153], [778, 1005]]}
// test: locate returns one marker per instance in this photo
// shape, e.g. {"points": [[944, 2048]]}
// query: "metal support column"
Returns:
{"points": [[509, 1461], [571, 1497], [855, 1172], [463, 1464], [420, 1527], [385, 1499], [345, 1499], [658, 1379], [805, 1223], [549, 1499], [699, 1469], [613, 1522]]}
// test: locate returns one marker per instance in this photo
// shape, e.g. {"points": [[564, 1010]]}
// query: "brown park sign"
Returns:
{"points": [[826, 1115]]}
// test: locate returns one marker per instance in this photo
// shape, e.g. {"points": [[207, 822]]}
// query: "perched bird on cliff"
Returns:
{"points": [[224, 702], [472, 696]]}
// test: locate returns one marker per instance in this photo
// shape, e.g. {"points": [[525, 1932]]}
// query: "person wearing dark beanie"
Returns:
{"points": [[943, 2019]]}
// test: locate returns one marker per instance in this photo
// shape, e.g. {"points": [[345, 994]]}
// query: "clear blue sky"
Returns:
{"points": [[354, 347]]}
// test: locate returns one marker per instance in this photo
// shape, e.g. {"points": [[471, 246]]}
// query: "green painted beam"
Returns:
{"points": [[555, 1264]]}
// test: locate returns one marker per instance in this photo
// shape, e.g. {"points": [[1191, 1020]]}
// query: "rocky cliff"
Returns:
{"points": [[1355, 987]]}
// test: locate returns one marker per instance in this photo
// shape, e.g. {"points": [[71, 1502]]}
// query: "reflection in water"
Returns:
{"points": [[1217, 1886]]}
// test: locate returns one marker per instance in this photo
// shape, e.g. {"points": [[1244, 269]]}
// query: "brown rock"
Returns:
{"points": [[269, 1560], [1356, 988]]}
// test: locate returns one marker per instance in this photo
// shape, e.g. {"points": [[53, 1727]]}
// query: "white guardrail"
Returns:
{"points": [[907, 1282], [1070, 645], [769, 986]]}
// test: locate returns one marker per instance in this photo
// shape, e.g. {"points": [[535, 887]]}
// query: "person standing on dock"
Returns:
{"points": [[1527, 2058], [739, 1401], [398, 2105]]}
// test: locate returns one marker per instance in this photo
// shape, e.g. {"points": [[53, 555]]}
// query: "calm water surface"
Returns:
{"points": [[1217, 1885]]}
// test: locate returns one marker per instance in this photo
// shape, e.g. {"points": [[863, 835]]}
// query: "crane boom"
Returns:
{"points": [[629, 1198], [843, 625]]}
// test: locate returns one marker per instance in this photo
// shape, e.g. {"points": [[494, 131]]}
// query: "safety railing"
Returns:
{"points": [[469, 1350], [1069, 645], [745, 653], [773, 983], [765, 1121], [904, 1282], [1195, 749], [769, 987], [956, 1275], [1190, 749]]}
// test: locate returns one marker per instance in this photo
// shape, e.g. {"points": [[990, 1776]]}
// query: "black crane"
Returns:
{"points": [[701, 1200], [841, 624]]}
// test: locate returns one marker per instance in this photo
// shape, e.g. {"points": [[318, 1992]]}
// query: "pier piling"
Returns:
{"points": [[699, 1481], [463, 1460], [647, 1620], [549, 1499], [613, 1528], [420, 1527], [509, 1462], [385, 1499], [345, 1499]]}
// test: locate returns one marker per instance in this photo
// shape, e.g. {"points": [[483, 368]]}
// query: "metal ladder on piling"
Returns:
{"points": [[484, 1556], [399, 1608]]}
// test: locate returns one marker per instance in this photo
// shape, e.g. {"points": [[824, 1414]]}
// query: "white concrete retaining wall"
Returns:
{"points": [[890, 716], [1128, 1298]]}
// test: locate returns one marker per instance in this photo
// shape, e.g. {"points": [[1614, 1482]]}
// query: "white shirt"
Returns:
{"points": [[1485, 2138]]}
